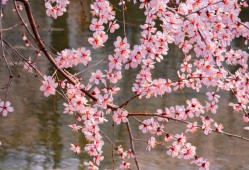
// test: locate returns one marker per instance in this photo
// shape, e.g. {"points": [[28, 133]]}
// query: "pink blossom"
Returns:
{"points": [[114, 76], [97, 77], [180, 139], [125, 165], [130, 154], [98, 158], [75, 148], [96, 25], [78, 103], [165, 113], [75, 127], [91, 166], [246, 118], [192, 127], [218, 127], [201, 162], [212, 107], [151, 143], [84, 56], [113, 26], [186, 67], [174, 150], [168, 137], [145, 127], [186, 46], [20, 7], [5, 107], [207, 128], [188, 151], [48, 86], [119, 116], [213, 96], [96, 41], [58, 9]]}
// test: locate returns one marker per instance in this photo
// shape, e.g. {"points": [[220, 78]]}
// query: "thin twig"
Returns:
{"points": [[129, 100], [108, 139], [132, 144], [23, 58], [203, 8], [22, 21], [9, 28], [186, 122], [113, 136], [90, 66], [123, 15]]}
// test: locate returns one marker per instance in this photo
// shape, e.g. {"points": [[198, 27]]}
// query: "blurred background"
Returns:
{"points": [[36, 135]]}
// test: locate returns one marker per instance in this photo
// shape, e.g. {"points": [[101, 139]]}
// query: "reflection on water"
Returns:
{"points": [[36, 135]]}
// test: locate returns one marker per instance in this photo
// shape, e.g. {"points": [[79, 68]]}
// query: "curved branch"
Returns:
{"points": [[49, 56]]}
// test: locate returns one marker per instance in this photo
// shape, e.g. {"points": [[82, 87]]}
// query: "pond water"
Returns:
{"points": [[36, 136]]}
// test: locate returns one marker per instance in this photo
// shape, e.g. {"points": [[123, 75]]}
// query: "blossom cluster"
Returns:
{"points": [[202, 30], [179, 147], [124, 155], [89, 119], [56, 8], [103, 14], [196, 28], [69, 58]]}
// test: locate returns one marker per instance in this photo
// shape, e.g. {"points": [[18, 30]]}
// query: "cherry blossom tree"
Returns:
{"points": [[204, 31]]}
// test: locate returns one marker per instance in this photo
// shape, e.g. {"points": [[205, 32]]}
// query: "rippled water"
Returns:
{"points": [[36, 135]]}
